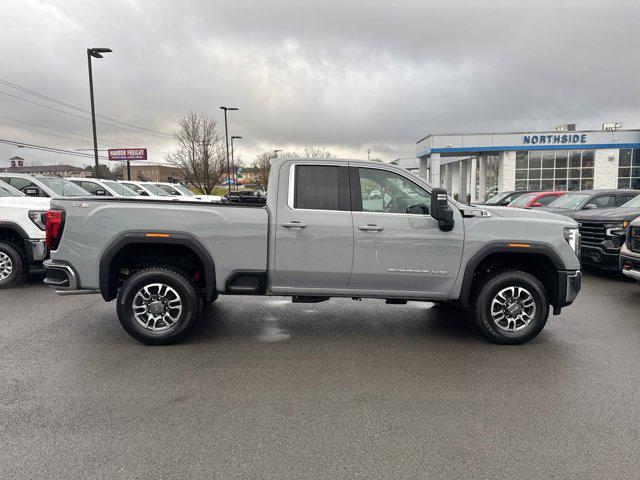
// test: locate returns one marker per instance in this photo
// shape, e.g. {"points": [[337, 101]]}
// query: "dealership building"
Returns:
{"points": [[479, 165]]}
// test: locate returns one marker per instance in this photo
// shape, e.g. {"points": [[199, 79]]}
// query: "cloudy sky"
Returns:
{"points": [[345, 75]]}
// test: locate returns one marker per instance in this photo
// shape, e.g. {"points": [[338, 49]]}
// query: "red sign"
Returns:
{"points": [[127, 154]]}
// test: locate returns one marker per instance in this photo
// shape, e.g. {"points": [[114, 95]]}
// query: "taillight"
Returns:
{"points": [[55, 223]]}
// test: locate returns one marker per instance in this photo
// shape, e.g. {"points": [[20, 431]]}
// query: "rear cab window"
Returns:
{"points": [[321, 187]]}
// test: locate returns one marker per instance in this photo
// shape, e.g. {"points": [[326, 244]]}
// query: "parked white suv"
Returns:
{"points": [[42, 186], [103, 188], [177, 190], [22, 234]]}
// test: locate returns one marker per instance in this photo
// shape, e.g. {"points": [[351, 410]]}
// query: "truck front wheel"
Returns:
{"points": [[158, 306], [511, 307], [12, 269]]}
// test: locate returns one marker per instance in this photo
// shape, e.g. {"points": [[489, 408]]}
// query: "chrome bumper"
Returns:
{"points": [[635, 274], [37, 250], [63, 279]]}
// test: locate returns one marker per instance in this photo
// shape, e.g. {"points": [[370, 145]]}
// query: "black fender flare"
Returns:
{"points": [[503, 247], [172, 238], [17, 229]]}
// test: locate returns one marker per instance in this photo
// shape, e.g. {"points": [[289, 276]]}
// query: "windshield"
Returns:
{"points": [[120, 189], [496, 198], [169, 189], [570, 201], [7, 190], [633, 203], [64, 188], [155, 190], [523, 200], [184, 190]]}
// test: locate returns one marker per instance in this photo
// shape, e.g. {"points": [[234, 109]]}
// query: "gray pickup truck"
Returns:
{"points": [[330, 228]]}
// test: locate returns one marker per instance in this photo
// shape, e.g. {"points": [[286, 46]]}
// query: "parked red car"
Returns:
{"points": [[535, 199]]}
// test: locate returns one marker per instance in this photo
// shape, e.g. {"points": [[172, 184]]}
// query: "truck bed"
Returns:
{"points": [[234, 235]]}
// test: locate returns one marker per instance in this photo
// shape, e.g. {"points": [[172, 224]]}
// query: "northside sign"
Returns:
{"points": [[554, 139], [127, 154]]}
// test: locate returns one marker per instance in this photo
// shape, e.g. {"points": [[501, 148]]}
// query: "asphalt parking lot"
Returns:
{"points": [[268, 389]]}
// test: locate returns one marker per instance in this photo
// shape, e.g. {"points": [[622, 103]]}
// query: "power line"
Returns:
{"points": [[79, 109], [49, 149], [107, 141], [102, 140], [45, 133], [80, 116]]}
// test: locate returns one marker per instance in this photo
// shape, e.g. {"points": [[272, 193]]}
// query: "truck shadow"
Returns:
{"points": [[269, 321]]}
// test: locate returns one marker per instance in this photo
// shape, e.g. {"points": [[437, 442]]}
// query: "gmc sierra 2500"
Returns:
{"points": [[331, 228]]}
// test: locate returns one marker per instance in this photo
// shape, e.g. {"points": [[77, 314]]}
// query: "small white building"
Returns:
{"points": [[564, 159]]}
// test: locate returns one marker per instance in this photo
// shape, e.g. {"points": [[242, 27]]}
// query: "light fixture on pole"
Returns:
{"points": [[275, 153], [94, 53], [226, 136], [233, 161]]}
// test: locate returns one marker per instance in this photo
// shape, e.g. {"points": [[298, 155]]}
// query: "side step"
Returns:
{"points": [[396, 301], [308, 299]]}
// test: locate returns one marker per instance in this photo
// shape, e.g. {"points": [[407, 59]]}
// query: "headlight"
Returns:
{"points": [[613, 229], [572, 236], [38, 217]]}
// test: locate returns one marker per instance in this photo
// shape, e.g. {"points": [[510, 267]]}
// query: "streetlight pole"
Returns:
{"points": [[226, 135], [233, 161], [95, 53]]}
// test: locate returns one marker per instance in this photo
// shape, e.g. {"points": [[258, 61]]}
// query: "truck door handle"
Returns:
{"points": [[371, 228], [294, 224]]}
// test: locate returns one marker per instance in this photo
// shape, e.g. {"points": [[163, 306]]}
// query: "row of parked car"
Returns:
{"points": [[606, 218], [24, 200]]}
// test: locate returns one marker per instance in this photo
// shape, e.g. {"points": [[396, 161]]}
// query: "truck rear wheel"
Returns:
{"points": [[511, 307], [12, 269], [158, 306]]}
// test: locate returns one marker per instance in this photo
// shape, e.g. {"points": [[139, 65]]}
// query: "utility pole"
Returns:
{"points": [[94, 53], [369, 154], [226, 135], [233, 161]]}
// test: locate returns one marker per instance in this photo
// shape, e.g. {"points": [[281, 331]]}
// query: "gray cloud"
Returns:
{"points": [[344, 75]]}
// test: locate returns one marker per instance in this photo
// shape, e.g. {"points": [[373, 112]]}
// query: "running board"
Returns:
{"points": [[308, 299]]}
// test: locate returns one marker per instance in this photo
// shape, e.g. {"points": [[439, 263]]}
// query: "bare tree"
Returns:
{"points": [[316, 152], [262, 164], [200, 153]]}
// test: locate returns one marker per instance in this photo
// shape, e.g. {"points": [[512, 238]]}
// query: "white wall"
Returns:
{"points": [[605, 174], [507, 171]]}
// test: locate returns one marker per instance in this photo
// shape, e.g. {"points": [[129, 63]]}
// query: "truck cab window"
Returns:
{"points": [[321, 187], [387, 192]]}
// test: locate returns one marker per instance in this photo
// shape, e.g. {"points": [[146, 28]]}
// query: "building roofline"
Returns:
{"points": [[533, 132]]}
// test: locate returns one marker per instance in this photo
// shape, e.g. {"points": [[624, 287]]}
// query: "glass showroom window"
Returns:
{"points": [[554, 170], [629, 168]]}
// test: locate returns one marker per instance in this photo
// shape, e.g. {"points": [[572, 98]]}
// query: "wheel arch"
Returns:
{"points": [[539, 260], [13, 233], [128, 241]]}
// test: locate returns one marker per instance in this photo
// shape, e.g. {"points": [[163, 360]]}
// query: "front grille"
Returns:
{"points": [[592, 233], [635, 239]]}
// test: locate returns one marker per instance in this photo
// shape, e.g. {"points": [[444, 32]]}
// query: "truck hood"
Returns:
{"points": [[534, 214], [618, 214], [31, 203], [560, 211]]}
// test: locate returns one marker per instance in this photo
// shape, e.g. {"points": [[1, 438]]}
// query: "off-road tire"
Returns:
{"points": [[184, 288], [485, 292]]}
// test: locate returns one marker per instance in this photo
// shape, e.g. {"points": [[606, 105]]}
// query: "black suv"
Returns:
{"points": [[247, 196], [603, 232]]}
